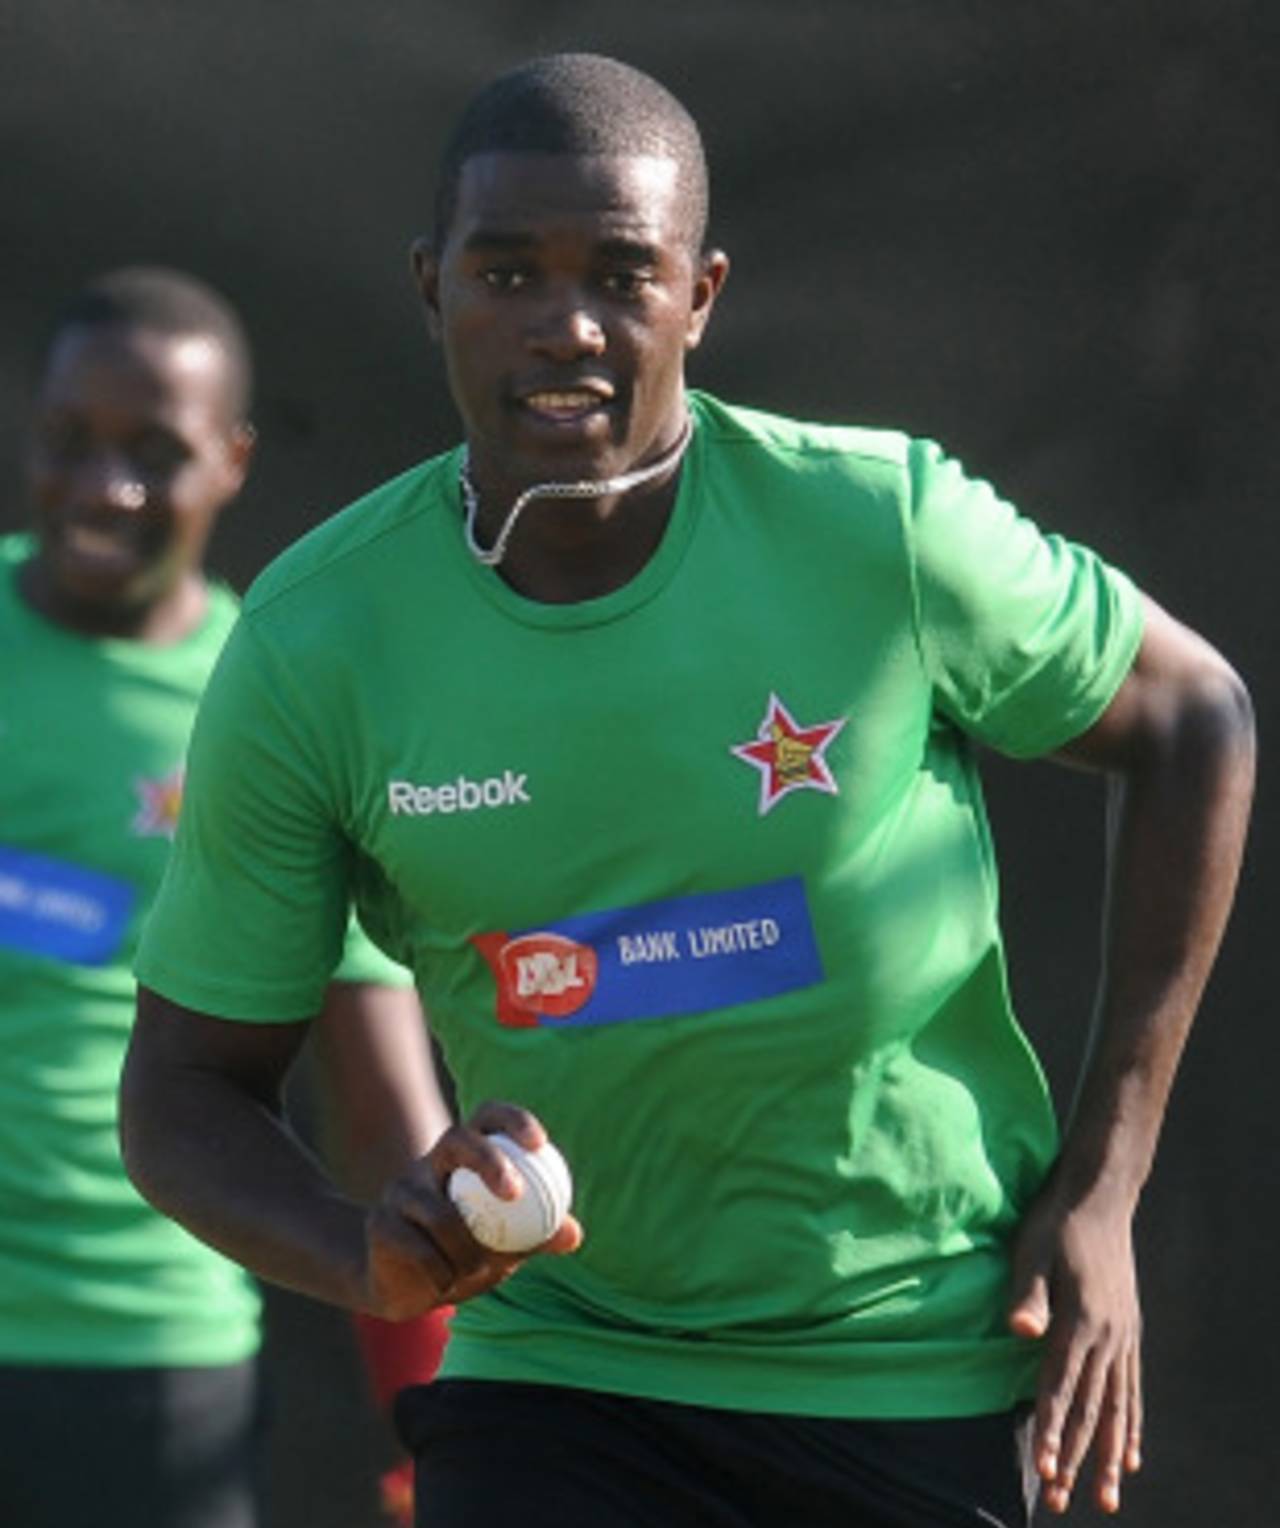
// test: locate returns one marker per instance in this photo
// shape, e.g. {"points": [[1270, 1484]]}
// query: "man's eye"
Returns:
{"points": [[64, 445], [627, 283], [505, 278], [157, 455]]}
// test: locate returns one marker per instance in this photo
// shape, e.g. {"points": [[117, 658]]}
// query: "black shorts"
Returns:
{"points": [[547, 1457], [130, 1448]]}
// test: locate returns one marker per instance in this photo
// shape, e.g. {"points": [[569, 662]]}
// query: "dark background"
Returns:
{"points": [[1046, 235]]}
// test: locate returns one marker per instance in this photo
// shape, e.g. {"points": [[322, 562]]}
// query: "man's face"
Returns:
{"points": [[565, 298], [133, 454]]}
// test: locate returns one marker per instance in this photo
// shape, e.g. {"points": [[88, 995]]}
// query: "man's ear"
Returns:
{"points": [[426, 277], [708, 279], [241, 440]]}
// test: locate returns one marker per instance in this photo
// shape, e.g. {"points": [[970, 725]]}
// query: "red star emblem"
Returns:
{"points": [[789, 757]]}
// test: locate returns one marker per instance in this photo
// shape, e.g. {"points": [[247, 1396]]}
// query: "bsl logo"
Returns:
{"points": [[539, 975], [460, 795]]}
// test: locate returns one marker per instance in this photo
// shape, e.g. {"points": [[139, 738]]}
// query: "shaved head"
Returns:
{"points": [[578, 104]]}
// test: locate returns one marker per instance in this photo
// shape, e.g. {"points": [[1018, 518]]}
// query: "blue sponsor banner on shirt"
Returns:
{"points": [[683, 955], [51, 908]]}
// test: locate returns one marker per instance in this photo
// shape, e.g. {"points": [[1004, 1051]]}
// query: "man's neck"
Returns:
{"points": [[555, 543], [564, 551], [159, 623]]}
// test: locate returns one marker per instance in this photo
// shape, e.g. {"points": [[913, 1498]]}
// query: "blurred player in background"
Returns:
{"points": [[129, 1381], [642, 726]]}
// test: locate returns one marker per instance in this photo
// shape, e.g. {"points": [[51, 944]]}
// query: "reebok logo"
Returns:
{"points": [[461, 795]]}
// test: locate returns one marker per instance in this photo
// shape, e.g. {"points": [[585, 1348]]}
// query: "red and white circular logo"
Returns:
{"points": [[546, 974]]}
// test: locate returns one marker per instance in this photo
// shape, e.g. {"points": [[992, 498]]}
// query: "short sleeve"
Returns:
{"points": [[252, 913], [1026, 636]]}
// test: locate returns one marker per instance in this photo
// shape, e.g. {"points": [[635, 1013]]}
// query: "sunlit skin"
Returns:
{"points": [[134, 452], [566, 298]]}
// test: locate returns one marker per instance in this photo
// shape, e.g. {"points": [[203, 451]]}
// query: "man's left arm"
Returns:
{"points": [[1177, 744]]}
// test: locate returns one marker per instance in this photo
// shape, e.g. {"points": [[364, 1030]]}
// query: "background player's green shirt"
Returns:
{"points": [[93, 735], [698, 871]]}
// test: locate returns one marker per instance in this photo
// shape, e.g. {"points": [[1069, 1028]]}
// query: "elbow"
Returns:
{"points": [[1241, 704], [1217, 715], [1192, 709], [1205, 746]]}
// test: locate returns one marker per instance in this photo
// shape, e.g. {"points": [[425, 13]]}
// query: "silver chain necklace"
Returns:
{"points": [[586, 488]]}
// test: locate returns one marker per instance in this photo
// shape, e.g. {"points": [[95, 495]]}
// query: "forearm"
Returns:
{"points": [[204, 1138], [220, 1158], [1177, 827]]}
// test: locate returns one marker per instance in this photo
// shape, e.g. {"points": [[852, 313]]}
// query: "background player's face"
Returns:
{"points": [[133, 454], [566, 296]]}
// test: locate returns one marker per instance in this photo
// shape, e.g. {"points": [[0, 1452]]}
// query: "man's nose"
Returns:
{"points": [[567, 328], [110, 481]]}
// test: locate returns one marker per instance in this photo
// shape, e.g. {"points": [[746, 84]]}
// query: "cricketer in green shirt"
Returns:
{"points": [[699, 872], [93, 733]]}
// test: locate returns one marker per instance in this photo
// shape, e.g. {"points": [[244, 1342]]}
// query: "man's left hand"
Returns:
{"points": [[1075, 1285]]}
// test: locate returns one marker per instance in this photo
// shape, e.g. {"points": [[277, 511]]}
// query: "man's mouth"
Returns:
{"points": [[88, 538], [565, 405], [102, 544]]}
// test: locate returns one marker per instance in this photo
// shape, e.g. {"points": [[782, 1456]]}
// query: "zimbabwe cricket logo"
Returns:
{"points": [[788, 756], [159, 802]]}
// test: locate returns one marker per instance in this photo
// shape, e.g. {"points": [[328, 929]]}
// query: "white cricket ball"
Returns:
{"points": [[515, 1225]]}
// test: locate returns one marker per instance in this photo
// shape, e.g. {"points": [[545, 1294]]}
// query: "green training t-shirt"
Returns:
{"points": [[699, 872], [92, 739]]}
